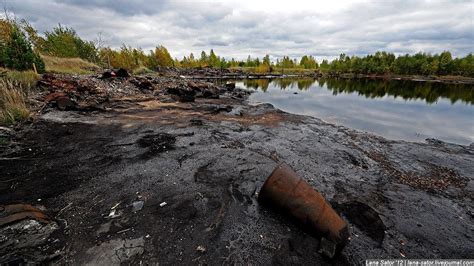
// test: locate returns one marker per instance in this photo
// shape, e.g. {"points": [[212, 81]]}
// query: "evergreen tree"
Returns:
{"points": [[17, 53]]}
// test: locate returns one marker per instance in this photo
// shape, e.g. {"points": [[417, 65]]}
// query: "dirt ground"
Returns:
{"points": [[137, 173]]}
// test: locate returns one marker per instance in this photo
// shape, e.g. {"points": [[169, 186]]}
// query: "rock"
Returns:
{"points": [[230, 85], [6, 132], [65, 103], [197, 85], [237, 111], [115, 252], [107, 75], [211, 93], [22, 241], [196, 122], [122, 73], [205, 90], [142, 83], [182, 94], [61, 100], [54, 83], [217, 108]]}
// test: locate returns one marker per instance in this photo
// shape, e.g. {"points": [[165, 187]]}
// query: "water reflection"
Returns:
{"points": [[394, 109], [430, 92]]}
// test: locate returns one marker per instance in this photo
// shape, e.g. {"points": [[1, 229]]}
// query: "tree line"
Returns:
{"points": [[388, 63], [21, 46]]}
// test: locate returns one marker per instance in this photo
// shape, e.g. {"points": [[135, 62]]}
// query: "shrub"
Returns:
{"points": [[13, 107], [16, 51], [263, 68], [64, 42]]}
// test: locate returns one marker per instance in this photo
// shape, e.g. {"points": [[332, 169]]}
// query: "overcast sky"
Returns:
{"points": [[239, 28]]}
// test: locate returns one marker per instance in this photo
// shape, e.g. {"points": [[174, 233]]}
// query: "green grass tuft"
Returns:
{"points": [[26, 79]]}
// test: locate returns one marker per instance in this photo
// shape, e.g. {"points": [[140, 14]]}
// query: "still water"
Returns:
{"points": [[407, 110]]}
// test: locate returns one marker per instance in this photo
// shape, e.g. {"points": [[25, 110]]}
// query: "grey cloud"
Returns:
{"points": [[125, 7], [184, 26]]}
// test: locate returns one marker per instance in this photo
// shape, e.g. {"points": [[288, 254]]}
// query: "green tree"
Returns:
{"points": [[64, 42], [214, 61], [17, 52], [445, 60], [160, 58], [308, 62]]}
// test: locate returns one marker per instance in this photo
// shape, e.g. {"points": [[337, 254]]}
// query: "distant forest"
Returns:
{"points": [[21, 47]]}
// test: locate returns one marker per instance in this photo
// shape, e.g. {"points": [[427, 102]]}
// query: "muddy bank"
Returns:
{"points": [[167, 170]]}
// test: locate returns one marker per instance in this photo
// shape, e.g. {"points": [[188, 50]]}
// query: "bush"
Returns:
{"points": [[16, 52], [13, 107], [263, 68], [64, 42]]}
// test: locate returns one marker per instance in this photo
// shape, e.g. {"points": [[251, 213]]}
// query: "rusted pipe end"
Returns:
{"points": [[285, 190]]}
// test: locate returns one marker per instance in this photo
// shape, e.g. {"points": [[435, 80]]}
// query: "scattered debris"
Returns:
{"points": [[142, 83], [284, 190], [24, 243], [17, 212], [113, 214], [124, 230], [201, 249], [157, 143], [116, 251], [137, 205]]}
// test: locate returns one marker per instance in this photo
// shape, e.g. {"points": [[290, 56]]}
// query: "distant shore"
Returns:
{"points": [[213, 73]]}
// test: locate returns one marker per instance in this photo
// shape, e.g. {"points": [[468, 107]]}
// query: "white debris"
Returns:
{"points": [[113, 214], [163, 204], [201, 249], [115, 206]]}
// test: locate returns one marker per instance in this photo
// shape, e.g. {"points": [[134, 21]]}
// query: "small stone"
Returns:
{"points": [[163, 204], [201, 249]]}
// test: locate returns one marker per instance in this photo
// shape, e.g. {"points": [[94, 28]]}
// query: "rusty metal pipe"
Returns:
{"points": [[285, 190]]}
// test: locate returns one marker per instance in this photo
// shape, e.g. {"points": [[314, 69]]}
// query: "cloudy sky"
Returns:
{"points": [[237, 28]]}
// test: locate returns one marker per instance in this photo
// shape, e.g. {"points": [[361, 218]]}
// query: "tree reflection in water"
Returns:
{"points": [[430, 92]]}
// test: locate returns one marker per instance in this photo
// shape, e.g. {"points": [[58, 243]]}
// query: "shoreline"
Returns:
{"points": [[210, 74]]}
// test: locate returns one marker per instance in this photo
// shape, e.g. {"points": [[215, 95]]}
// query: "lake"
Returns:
{"points": [[406, 110]]}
